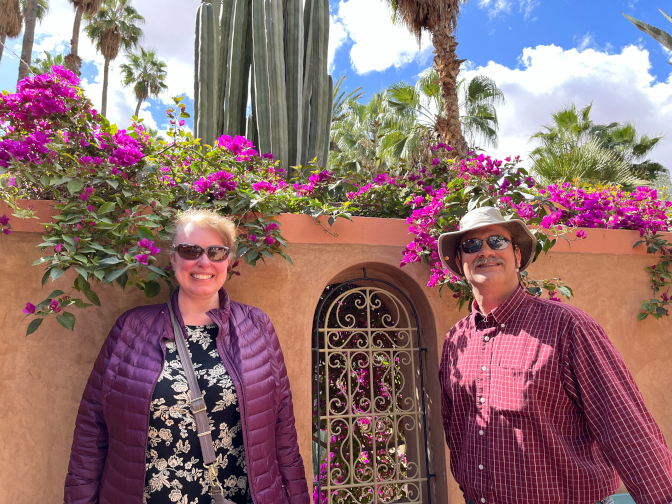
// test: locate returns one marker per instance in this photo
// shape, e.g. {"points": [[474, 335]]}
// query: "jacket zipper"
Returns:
{"points": [[162, 344], [237, 383]]}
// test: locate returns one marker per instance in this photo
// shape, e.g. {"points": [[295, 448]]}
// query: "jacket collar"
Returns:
{"points": [[219, 315]]}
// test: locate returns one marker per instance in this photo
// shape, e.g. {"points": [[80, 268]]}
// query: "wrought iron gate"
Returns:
{"points": [[369, 429]]}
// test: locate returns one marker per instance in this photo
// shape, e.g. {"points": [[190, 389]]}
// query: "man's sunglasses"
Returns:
{"points": [[191, 252], [495, 242]]}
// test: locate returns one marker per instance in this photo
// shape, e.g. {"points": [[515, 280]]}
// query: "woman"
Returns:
{"points": [[135, 438]]}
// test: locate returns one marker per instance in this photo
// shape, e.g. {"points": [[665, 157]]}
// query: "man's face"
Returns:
{"points": [[489, 268]]}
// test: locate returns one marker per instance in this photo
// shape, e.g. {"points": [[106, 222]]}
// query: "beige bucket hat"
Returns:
{"points": [[483, 217]]}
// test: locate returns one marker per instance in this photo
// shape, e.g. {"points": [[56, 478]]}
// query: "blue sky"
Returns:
{"points": [[542, 53]]}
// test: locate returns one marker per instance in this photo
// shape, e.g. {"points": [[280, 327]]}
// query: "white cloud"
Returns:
{"points": [[499, 7], [620, 86], [585, 41], [378, 44], [337, 36]]}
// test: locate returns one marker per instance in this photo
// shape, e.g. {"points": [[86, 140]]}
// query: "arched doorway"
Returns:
{"points": [[369, 420]]}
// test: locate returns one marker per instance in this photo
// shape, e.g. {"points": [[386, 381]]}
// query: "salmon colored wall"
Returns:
{"points": [[42, 376]]}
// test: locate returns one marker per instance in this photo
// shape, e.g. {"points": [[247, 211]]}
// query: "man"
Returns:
{"points": [[538, 405]]}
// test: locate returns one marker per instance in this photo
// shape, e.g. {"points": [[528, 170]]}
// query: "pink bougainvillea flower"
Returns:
{"points": [[253, 238], [29, 309], [76, 239], [4, 220], [58, 247], [269, 240], [581, 234], [142, 259], [55, 306], [7, 231]]}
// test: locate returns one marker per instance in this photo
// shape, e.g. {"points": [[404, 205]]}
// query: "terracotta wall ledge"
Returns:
{"points": [[299, 228]]}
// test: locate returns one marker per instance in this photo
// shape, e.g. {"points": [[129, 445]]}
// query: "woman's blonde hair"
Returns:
{"points": [[208, 219]]}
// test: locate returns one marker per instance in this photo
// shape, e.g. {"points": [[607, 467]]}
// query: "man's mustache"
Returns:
{"points": [[487, 261]]}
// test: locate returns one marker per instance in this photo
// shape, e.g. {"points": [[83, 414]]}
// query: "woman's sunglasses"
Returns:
{"points": [[191, 252], [495, 242]]}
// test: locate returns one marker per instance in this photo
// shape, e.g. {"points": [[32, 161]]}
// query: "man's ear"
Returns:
{"points": [[518, 255]]}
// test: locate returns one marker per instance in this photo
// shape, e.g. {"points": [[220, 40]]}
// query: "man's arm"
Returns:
{"points": [[444, 382], [602, 386]]}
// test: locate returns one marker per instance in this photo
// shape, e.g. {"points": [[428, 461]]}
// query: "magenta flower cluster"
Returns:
{"points": [[314, 180], [607, 207], [147, 249], [4, 224], [240, 146]]}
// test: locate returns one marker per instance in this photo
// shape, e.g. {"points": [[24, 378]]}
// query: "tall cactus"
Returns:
{"points": [[206, 79], [274, 57]]}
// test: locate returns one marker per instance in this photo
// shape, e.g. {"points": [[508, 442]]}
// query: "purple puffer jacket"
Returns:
{"points": [[107, 463]]}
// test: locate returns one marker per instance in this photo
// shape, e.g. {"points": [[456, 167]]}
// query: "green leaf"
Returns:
{"points": [[113, 183], [109, 261], [158, 271], [45, 277], [661, 311], [106, 208], [75, 186], [55, 294], [67, 320], [32, 327], [152, 289], [642, 316], [82, 271], [565, 291], [80, 304], [144, 232], [56, 273], [115, 274], [69, 239], [44, 180], [92, 296], [122, 280], [81, 258], [81, 283]]}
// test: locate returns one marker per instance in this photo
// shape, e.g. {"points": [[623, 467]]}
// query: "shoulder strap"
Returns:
{"points": [[197, 404]]}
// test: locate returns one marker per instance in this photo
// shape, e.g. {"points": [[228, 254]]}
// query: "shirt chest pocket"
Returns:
{"points": [[512, 381], [511, 390]]}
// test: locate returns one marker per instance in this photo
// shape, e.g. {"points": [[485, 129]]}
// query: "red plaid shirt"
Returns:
{"points": [[538, 407]]}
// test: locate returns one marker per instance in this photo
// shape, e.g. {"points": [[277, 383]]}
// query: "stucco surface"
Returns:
{"points": [[42, 376]]}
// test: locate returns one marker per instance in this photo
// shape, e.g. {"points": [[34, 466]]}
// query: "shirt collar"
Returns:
{"points": [[504, 311]]}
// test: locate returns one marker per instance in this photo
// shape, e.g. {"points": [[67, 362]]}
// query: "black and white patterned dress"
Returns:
{"points": [[175, 471]]}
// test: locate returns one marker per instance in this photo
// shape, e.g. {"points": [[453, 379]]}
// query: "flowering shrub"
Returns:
{"points": [[117, 191]]}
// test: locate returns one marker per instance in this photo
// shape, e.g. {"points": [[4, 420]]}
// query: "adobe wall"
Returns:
{"points": [[42, 376]]}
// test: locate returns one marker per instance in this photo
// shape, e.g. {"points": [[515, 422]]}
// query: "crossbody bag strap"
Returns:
{"points": [[197, 404]]}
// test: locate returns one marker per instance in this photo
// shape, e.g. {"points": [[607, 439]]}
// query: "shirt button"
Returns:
{"points": [[487, 338], [480, 432], [502, 325], [480, 466], [482, 399], [482, 499], [484, 368]]}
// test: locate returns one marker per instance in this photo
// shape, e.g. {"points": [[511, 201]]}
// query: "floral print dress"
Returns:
{"points": [[175, 471]]}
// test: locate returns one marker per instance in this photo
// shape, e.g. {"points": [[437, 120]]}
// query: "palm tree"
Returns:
{"points": [[439, 17], [661, 36], [113, 27], [146, 73], [90, 7], [11, 20], [358, 135], [478, 100], [43, 66], [573, 146], [31, 11]]}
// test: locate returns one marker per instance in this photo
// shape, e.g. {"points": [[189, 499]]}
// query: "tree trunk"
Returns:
{"points": [[28, 39], [137, 109], [2, 49], [447, 67], [73, 61], [105, 80]]}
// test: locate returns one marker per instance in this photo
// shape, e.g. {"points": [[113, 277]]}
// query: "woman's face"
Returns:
{"points": [[200, 278]]}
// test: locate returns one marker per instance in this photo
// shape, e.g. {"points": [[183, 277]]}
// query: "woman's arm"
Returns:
{"points": [[286, 445], [90, 440]]}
